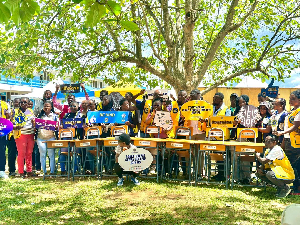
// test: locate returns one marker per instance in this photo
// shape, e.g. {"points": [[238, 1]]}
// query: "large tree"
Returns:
{"points": [[183, 42]]}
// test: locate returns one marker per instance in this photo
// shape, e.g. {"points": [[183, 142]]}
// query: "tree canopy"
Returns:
{"points": [[183, 42]]}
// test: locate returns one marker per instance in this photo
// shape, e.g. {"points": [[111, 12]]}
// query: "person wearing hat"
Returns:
{"points": [[124, 145], [276, 167]]}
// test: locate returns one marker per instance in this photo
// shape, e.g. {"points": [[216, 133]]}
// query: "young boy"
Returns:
{"points": [[276, 167], [123, 145]]}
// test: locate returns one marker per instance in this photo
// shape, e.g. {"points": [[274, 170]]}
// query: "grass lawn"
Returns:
{"points": [[88, 201]]}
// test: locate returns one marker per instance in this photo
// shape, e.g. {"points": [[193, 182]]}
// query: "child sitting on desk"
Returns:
{"points": [[123, 145]]}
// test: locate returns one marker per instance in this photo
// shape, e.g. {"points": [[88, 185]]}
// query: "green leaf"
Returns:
{"points": [[28, 9], [12, 4], [4, 13], [16, 16], [95, 14], [77, 1], [114, 7], [128, 25]]}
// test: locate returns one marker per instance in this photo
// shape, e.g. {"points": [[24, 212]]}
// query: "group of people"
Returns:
{"points": [[275, 125]]}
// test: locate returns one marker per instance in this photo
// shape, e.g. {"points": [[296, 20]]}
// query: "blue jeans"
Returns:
{"points": [[43, 154], [63, 158]]}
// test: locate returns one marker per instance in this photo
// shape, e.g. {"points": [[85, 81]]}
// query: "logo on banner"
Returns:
{"points": [[195, 110], [136, 159], [6, 126], [119, 117], [45, 124], [70, 88], [222, 121], [73, 123]]}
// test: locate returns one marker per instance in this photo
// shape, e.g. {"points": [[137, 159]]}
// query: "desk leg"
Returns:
{"points": [[190, 165], [233, 168], [102, 159], [97, 160], [226, 166]]}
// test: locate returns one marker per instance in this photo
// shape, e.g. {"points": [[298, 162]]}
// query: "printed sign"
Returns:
{"points": [[136, 159], [197, 109], [108, 117], [118, 132], [271, 91], [57, 144], [222, 121], [6, 126], [45, 124], [210, 147], [248, 150], [183, 132], [163, 119], [70, 88], [74, 123], [152, 130], [164, 94], [177, 145], [215, 133], [147, 143], [248, 115], [116, 97], [84, 144]]}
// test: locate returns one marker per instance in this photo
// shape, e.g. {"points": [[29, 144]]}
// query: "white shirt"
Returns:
{"points": [[275, 153], [119, 150], [286, 126], [297, 117]]}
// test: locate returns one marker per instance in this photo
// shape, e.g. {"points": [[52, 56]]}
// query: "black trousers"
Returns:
{"points": [[12, 154], [120, 171]]}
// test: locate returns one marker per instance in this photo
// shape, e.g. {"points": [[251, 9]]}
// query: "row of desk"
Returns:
{"points": [[193, 146]]}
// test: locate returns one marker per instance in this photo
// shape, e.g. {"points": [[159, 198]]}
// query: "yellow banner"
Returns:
{"points": [[195, 110]]}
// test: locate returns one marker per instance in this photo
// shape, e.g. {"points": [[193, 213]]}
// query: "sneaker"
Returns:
{"points": [[31, 174], [120, 182], [283, 192], [12, 174], [22, 175], [3, 175], [135, 181]]}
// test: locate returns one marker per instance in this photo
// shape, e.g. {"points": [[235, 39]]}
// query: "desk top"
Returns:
{"points": [[226, 143]]}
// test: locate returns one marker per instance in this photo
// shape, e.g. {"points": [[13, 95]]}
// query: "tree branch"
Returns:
{"points": [[225, 79], [268, 46], [226, 29]]}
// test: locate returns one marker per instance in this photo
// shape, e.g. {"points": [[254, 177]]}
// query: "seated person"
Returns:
{"points": [[276, 167], [123, 145]]}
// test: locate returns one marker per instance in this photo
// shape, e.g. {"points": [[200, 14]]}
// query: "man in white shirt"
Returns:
{"points": [[124, 145], [276, 167]]}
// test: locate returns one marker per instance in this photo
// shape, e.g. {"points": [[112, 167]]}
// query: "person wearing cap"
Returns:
{"points": [[276, 167], [124, 145]]}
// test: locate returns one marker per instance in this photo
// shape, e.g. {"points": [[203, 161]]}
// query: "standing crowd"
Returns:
{"points": [[277, 128]]}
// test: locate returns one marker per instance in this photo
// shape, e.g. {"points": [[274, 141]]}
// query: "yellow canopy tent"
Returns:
{"points": [[122, 90]]}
